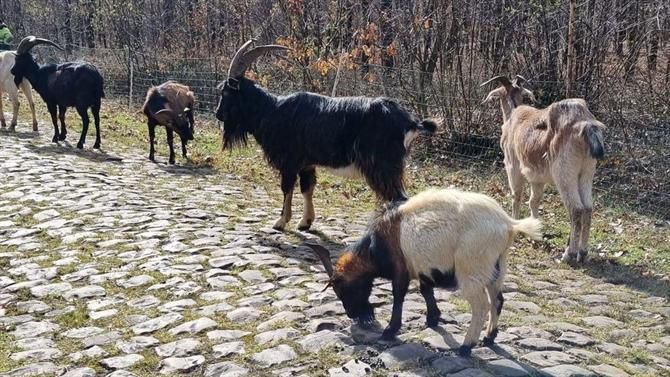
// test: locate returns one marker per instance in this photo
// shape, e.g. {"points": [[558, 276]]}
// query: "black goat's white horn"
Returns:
{"points": [[324, 255], [29, 42], [501, 79], [244, 57]]}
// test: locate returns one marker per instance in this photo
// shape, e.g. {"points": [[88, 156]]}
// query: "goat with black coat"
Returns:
{"points": [[72, 84], [354, 137]]}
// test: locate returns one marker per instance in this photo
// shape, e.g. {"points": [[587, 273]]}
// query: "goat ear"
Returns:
{"points": [[492, 96], [529, 94]]}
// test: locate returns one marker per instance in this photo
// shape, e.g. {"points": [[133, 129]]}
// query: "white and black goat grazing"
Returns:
{"points": [[443, 238], [7, 85], [558, 144], [355, 137], [72, 84], [171, 105]]}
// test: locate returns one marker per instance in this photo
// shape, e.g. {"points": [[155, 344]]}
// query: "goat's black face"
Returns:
{"points": [[229, 112], [22, 63], [355, 295], [183, 126]]}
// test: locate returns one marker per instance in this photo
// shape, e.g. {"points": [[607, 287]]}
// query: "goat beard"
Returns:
{"points": [[232, 139]]}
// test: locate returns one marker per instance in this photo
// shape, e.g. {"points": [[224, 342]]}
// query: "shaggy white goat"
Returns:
{"points": [[7, 85], [443, 238], [558, 144]]}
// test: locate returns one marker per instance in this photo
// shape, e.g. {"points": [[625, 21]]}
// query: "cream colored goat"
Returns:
{"points": [[7, 85], [558, 144], [442, 238]]}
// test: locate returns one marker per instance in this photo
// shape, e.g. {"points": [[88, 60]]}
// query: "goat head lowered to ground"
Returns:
{"points": [[443, 238], [7, 85], [72, 84], [352, 136], [171, 105], [558, 144]]}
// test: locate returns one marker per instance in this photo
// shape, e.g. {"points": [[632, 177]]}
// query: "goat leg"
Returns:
{"points": [[95, 109], [3, 123], [61, 116], [152, 136], [15, 112], [183, 146], [478, 302], [307, 184], [432, 311], [54, 120], [400, 284], [287, 184], [170, 140]]}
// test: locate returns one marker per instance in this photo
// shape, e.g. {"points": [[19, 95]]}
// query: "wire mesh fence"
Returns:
{"points": [[635, 175]]}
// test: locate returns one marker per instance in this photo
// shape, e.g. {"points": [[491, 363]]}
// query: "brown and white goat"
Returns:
{"points": [[443, 238], [558, 144], [171, 105]]}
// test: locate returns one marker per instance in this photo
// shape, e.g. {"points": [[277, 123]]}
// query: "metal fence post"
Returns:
{"points": [[131, 69]]}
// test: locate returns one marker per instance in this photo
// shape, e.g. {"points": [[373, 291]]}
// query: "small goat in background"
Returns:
{"points": [[444, 239], [171, 105], [558, 144], [7, 85]]}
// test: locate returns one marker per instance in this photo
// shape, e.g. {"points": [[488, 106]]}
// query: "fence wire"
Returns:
{"points": [[635, 175]]}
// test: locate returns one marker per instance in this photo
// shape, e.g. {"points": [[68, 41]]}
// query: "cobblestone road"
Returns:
{"points": [[120, 267]]}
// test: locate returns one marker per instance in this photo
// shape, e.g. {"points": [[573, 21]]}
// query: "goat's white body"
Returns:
{"points": [[465, 234], [548, 146], [451, 230], [7, 85]]}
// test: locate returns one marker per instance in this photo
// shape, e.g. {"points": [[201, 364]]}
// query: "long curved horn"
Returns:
{"points": [[243, 59], [324, 255], [520, 79], [29, 42], [501, 79]]}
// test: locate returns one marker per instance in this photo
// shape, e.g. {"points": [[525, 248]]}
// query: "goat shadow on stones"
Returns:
{"points": [[185, 170], [365, 339], [65, 147], [610, 271], [24, 135]]}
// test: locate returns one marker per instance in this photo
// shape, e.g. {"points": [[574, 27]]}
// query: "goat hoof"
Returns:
{"points": [[433, 321], [568, 257], [304, 225], [96, 146], [464, 351], [55, 139], [582, 256], [279, 225], [490, 338], [80, 146], [389, 334], [61, 137]]}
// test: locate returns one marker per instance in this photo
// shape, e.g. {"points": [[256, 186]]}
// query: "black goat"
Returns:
{"points": [[352, 136], [72, 84], [171, 105]]}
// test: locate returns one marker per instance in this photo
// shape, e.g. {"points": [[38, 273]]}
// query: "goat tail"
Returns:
{"points": [[530, 226], [593, 135], [428, 125]]}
